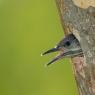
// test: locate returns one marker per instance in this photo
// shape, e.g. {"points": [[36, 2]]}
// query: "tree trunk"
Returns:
{"points": [[78, 17]]}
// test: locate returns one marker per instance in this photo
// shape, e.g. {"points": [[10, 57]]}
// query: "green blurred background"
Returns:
{"points": [[28, 28]]}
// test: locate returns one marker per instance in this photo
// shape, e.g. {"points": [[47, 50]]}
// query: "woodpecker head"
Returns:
{"points": [[68, 47]]}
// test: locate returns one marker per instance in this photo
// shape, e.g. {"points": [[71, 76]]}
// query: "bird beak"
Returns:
{"points": [[51, 51], [62, 54], [59, 56]]}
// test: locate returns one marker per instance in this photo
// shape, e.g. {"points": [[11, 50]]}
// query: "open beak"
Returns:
{"points": [[59, 56], [63, 53]]}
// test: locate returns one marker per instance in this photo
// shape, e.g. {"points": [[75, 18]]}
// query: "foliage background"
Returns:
{"points": [[28, 28]]}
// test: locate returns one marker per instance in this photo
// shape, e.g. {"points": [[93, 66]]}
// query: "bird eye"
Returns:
{"points": [[67, 43]]}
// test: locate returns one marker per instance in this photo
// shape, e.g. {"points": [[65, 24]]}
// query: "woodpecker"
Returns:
{"points": [[68, 47]]}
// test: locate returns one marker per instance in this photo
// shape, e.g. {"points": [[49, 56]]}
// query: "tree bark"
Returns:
{"points": [[78, 17]]}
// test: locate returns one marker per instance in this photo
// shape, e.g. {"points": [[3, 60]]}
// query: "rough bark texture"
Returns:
{"points": [[78, 17]]}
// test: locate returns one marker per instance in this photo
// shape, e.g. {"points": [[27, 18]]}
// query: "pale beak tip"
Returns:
{"points": [[45, 66], [48, 64], [42, 54]]}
